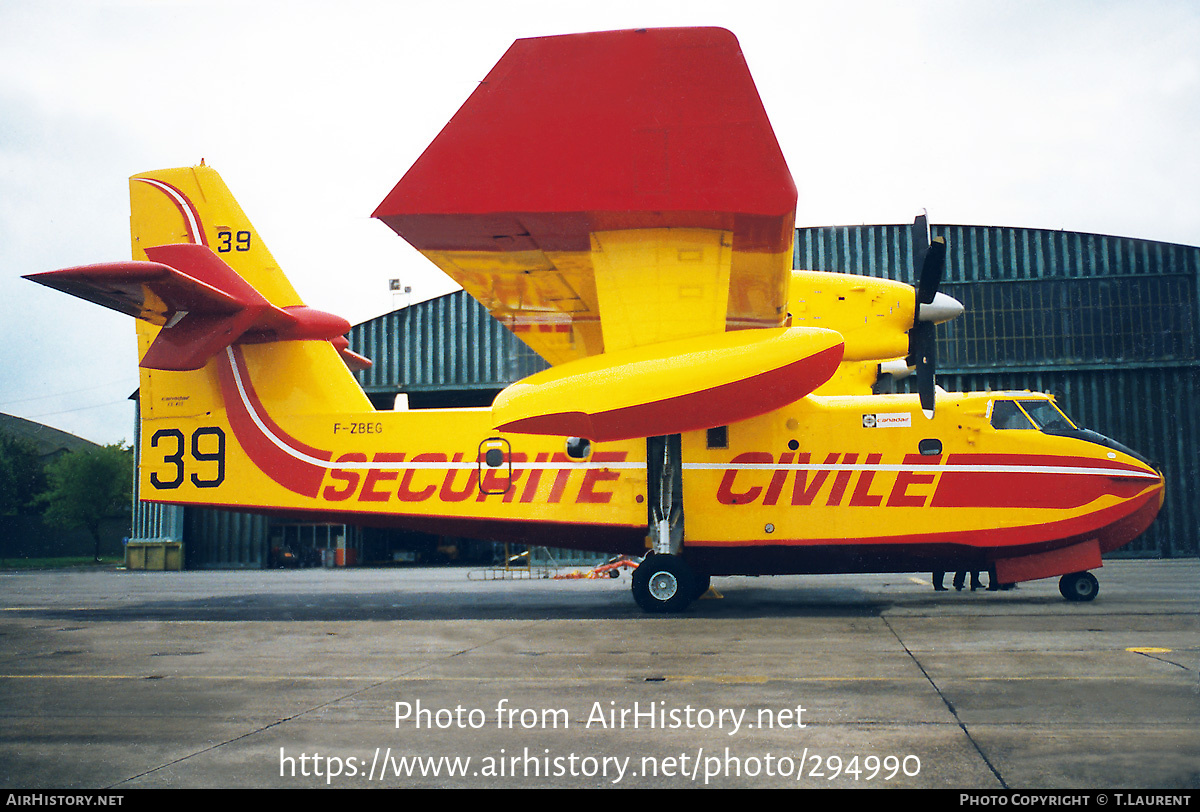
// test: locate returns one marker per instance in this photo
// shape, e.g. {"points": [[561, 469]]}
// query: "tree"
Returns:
{"points": [[88, 486], [21, 476]]}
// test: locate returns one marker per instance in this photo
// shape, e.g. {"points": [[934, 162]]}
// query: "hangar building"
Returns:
{"points": [[1107, 324]]}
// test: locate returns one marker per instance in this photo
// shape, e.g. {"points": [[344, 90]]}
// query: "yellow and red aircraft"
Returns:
{"points": [[619, 201]]}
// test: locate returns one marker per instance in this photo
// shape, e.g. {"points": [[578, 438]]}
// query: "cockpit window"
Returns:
{"points": [[1045, 415], [1029, 414], [1006, 414]]}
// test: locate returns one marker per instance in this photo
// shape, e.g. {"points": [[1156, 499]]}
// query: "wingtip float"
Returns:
{"points": [[619, 201], [672, 387]]}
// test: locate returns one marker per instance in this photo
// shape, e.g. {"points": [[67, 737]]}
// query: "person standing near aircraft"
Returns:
{"points": [[960, 579]]}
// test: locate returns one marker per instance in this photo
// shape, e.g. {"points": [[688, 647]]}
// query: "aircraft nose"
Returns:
{"points": [[943, 308], [1141, 491], [1142, 481]]}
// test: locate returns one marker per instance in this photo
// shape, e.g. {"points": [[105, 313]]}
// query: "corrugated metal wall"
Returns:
{"points": [[986, 253], [1106, 324], [157, 522], [221, 539], [451, 342]]}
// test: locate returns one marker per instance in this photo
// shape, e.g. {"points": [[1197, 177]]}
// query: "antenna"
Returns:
{"points": [[401, 291]]}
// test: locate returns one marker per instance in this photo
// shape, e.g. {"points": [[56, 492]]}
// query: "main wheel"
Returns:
{"points": [[1079, 586], [663, 583]]}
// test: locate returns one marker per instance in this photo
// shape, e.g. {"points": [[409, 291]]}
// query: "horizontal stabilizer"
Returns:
{"points": [[353, 360], [672, 387], [123, 287], [202, 305]]}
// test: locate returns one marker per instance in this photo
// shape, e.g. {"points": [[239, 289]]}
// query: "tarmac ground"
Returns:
{"points": [[428, 678]]}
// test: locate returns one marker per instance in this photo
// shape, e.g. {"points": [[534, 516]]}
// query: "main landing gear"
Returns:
{"points": [[665, 583], [1079, 586]]}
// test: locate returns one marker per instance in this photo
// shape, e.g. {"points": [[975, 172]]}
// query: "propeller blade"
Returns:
{"points": [[923, 355], [932, 266], [920, 246], [920, 237], [929, 262]]}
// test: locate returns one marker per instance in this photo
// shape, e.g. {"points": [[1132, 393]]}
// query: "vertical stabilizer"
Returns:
{"points": [[193, 205], [187, 219]]}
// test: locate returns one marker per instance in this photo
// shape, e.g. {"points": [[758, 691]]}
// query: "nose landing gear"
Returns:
{"points": [[1079, 586]]}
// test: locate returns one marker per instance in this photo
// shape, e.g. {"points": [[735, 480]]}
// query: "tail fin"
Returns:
{"points": [[200, 272], [193, 205], [201, 280]]}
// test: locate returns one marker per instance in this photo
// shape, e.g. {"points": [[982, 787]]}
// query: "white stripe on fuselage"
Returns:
{"points": [[694, 466]]}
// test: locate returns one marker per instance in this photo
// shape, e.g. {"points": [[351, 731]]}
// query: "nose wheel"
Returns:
{"points": [[1079, 586]]}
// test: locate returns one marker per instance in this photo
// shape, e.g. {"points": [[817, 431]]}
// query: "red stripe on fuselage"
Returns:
{"points": [[285, 468], [1114, 526], [1031, 489], [261, 411]]}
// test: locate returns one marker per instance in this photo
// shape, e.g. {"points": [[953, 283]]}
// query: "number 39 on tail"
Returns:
{"points": [[619, 201]]}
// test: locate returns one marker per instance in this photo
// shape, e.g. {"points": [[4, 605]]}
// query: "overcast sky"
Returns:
{"points": [[1059, 114]]}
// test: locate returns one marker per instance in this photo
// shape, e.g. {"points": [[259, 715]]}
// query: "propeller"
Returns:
{"points": [[933, 308], [931, 256], [922, 348]]}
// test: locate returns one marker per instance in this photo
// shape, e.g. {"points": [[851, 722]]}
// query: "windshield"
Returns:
{"points": [[1029, 414], [1006, 414], [1046, 415]]}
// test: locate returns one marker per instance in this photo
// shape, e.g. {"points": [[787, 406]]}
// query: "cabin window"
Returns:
{"points": [[578, 448], [930, 447], [718, 437]]}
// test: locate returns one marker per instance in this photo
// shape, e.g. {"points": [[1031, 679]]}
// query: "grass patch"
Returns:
{"points": [[62, 562]]}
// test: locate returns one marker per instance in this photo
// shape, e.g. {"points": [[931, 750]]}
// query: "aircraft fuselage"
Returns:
{"points": [[826, 484]]}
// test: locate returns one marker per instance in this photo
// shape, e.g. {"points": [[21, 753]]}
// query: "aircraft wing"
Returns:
{"points": [[619, 201], [600, 192]]}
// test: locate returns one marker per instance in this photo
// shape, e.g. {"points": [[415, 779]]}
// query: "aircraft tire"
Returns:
{"points": [[702, 583], [663, 584], [1079, 586]]}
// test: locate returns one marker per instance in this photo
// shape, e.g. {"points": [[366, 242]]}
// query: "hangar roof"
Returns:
{"points": [[48, 441]]}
